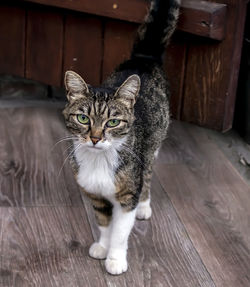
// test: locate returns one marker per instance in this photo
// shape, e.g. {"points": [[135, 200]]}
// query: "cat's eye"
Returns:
{"points": [[113, 123], [83, 119]]}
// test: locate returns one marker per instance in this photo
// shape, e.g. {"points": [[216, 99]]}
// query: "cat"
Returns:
{"points": [[118, 129]]}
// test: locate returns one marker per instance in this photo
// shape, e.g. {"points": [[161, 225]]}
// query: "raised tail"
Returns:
{"points": [[154, 33]]}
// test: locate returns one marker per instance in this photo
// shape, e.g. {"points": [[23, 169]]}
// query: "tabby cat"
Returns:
{"points": [[118, 129]]}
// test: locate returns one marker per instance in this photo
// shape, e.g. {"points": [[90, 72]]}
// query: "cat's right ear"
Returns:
{"points": [[75, 86]]}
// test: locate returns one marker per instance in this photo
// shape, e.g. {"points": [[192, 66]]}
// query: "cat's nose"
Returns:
{"points": [[95, 140]]}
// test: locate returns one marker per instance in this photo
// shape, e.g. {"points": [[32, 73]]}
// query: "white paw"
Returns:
{"points": [[116, 266], [97, 251], [143, 212]]}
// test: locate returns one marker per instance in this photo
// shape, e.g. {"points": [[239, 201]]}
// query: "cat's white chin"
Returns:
{"points": [[95, 149]]}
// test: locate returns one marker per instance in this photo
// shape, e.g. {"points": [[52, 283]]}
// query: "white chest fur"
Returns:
{"points": [[96, 172]]}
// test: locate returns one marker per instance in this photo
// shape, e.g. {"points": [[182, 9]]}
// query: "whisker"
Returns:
{"points": [[62, 140], [68, 157], [68, 148]]}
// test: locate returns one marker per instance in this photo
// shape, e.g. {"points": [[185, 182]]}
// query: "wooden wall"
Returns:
{"points": [[41, 43]]}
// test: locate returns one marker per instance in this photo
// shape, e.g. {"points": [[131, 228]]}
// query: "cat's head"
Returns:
{"points": [[100, 118]]}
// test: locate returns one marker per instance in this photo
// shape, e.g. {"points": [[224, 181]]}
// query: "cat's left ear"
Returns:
{"points": [[75, 86], [128, 91]]}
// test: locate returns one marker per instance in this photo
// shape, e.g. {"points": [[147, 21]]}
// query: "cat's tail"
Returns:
{"points": [[155, 32]]}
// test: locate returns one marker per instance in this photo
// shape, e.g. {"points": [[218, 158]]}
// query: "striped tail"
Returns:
{"points": [[159, 25]]}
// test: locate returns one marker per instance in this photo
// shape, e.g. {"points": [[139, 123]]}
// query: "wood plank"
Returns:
{"points": [[83, 47], [180, 147], [46, 246], [234, 148], [236, 58], [212, 201], [12, 39], [29, 165], [175, 61], [44, 46], [160, 251], [212, 72], [203, 18], [118, 41], [129, 10]]}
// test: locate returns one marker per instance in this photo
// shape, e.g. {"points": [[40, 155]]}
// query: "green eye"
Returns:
{"points": [[82, 119], [113, 123]]}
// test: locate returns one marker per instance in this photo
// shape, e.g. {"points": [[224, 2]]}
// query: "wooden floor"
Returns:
{"points": [[199, 234]]}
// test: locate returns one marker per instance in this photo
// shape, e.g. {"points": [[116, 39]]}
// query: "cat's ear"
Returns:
{"points": [[75, 86], [128, 91]]}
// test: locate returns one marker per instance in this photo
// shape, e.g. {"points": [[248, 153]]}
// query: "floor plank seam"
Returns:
{"points": [[227, 161], [184, 226]]}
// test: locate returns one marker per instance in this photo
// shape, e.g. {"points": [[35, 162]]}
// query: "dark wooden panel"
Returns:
{"points": [[83, 47], [47, 246], [12, 39], [30, 163], [44, 46], [211, 74], [204, 19], [235, 65], [129, 10], [212, 201], [118, 40], [175, 61], [159, 247]]}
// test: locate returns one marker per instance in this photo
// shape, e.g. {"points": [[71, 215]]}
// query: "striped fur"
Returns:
{"points": [[157, 29]]}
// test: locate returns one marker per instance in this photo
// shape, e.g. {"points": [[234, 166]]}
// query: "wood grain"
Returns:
{"points": [[30, 162], [46, 246], [44, 46], [208, 73], [83, 47], [175, 64], [212, 201], [118, 41], [236, 58], [202, 18], [12, 39], [129, 10]]}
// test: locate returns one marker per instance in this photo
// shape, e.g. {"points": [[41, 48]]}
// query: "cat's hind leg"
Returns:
{"points": [[103, 212], [144, 210]]}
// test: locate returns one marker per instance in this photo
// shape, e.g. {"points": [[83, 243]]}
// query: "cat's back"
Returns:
{"points": [[154, 89], [152, 105]]}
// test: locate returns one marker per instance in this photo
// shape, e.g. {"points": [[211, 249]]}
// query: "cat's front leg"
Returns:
{"points": [[103, 212], [122, 223]]}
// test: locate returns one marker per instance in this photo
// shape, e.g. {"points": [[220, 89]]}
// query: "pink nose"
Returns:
{"points": [[95, 140]]}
